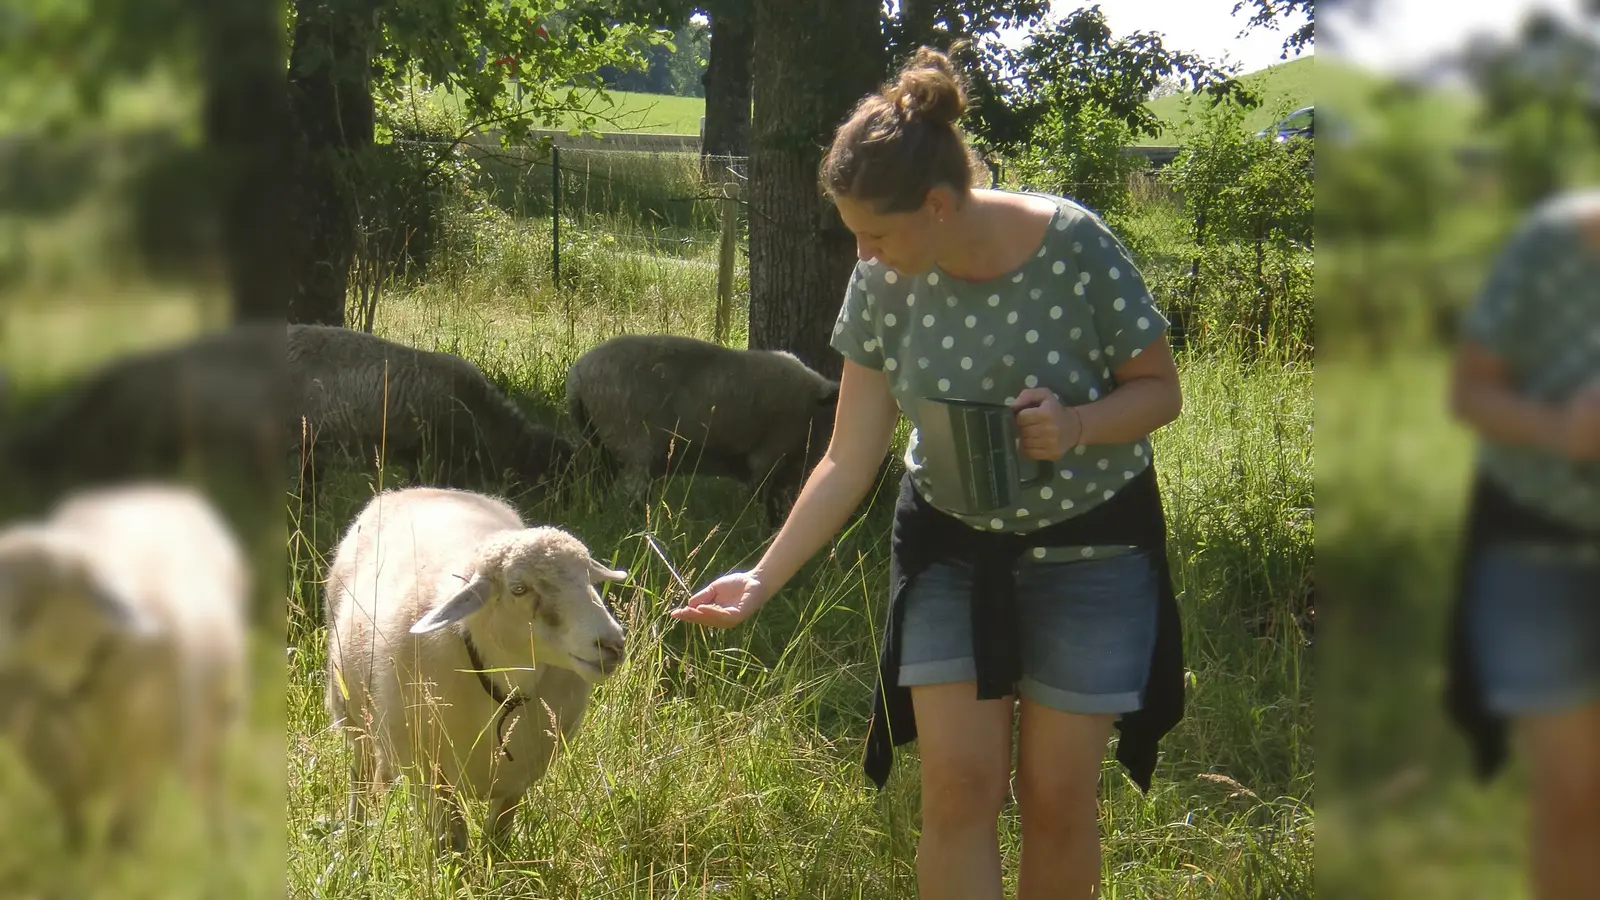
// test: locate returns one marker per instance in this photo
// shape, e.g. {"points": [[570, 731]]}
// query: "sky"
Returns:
{"points": [[1203, 27], [1403, 35]]}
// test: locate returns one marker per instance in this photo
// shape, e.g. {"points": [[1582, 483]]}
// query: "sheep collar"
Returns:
{"points": [[508, 703]]}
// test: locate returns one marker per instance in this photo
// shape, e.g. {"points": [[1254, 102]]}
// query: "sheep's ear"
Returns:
{"points": [[829, 396], [122, 614], [599, 573], [464, 603]]}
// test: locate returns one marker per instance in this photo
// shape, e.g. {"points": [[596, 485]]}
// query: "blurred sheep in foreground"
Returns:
{"points": [[122, 651]]}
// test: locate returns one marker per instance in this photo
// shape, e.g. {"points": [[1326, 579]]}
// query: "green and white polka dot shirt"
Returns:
{"points": [[1539, 311], [1064, 320]]}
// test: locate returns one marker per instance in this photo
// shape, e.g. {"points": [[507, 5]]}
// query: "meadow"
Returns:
{"points": [[1285, 86], [728, 764]]}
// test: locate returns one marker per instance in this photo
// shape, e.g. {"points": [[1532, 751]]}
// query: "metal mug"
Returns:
{"points": [[972, 455]]}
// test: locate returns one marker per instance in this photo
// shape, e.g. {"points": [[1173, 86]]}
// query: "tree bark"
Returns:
{"points": [[331, 108], [247, 127], [915, 26], [813, 60], [727, 85]]}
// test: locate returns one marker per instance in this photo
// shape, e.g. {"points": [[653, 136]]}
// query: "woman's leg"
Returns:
{"points": [[1058, 779], [964, 742], [1089, 632], [1535, 626], [1563, 753], [965, 747]]}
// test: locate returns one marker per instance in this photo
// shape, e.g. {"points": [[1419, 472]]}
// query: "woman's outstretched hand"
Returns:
{"points": [[725, 602]]}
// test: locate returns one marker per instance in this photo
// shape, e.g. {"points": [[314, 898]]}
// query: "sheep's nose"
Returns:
{"points": [[611, 654]]}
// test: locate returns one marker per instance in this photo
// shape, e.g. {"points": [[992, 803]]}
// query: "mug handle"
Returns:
{"points": [[1044, 471]]}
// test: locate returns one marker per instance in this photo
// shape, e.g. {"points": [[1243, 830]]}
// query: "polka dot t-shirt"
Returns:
{"points": [[1064, 320], [1539, 311]]}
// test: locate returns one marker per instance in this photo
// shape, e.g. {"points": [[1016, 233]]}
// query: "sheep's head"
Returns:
{"points": [[535, 584], [54, 608]]}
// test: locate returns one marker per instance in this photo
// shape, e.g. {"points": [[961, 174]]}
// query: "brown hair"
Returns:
{"points": [[902, 141]]}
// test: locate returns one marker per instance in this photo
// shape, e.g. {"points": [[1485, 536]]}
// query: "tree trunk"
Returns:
{"points": [[727, 84], [914, 26], [813, 60], [330, 99], [247, 125]]}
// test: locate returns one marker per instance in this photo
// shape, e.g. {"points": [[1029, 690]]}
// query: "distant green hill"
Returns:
{"points": [[1368, 101], [1356, 96], [1290, 82]]}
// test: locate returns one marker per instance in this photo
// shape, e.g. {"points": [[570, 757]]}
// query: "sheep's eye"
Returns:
{"points": [[519, 589]]}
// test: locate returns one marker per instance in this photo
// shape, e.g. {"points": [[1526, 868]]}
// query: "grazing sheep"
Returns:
{"points": [[661, 403], [460, 642], [358, 394], [208, 407], [122, 651]]}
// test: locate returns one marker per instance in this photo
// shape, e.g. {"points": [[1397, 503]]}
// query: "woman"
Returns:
{"points": [[1526, 649], [1061, 599]]}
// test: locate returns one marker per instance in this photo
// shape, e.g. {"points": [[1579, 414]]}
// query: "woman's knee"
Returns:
{"points": [[966, 755], [963, 793], [1564, 762], [1568, 799], [1058, 776], [1056, 799]]}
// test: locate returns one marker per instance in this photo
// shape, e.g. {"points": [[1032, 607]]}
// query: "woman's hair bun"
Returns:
{"points": [[928, 89]]}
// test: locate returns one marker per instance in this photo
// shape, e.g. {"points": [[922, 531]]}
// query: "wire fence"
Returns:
{"points": [[681, 208]]}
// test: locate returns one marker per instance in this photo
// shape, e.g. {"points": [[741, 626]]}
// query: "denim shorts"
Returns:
{"points": [[1533, 622], [1088, 631]]}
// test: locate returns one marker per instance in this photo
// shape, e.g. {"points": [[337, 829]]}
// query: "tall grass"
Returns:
{"points": [[181, 855], [1406, 820]]}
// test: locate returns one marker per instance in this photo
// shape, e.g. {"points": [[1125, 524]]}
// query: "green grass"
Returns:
{"points": [[180, 857], [728, 764], [651, 113], [1402, 818], [1355, 95], [1364, 99], [619, 111]]}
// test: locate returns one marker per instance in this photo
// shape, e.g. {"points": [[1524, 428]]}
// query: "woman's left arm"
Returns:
{"points": [[1147, 396]]}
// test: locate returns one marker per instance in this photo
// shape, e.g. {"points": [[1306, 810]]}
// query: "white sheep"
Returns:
{"points": [[122, 651], [457, 637]]}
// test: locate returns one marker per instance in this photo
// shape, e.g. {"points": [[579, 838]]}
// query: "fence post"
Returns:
{"points": [[730, 222], [555, 215]]}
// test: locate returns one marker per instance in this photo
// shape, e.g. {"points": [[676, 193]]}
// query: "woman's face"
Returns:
{"points": [[907, 242]]}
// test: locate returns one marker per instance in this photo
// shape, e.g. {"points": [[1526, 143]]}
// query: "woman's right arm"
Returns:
{"points": [[863, 425], [1483, 397]]}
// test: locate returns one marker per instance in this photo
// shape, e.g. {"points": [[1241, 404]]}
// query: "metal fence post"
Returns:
{"points": [[555, 215], [725, 259]]}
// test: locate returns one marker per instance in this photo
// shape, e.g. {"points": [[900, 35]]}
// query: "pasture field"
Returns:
{"points": [[723, 764], [728, 764]]}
